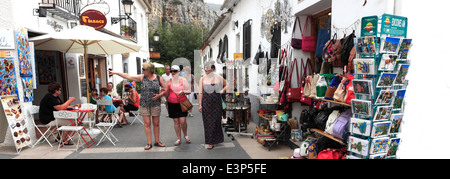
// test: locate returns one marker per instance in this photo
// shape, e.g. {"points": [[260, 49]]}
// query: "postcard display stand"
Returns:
{"points": [[381, 61]]}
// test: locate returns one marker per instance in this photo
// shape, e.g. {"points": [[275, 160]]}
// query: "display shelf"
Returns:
{"points": [[331, 101], [328, 135], [265, 102]]}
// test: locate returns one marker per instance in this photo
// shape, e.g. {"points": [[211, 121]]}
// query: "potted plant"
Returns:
{"points": [[126, 30]]}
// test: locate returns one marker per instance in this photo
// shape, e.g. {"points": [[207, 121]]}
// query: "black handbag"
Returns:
{"points": [[307, 118], [259, 54], [321, 119]]}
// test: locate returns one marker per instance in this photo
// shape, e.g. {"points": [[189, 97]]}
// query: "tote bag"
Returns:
{"points": [[308, 42]]}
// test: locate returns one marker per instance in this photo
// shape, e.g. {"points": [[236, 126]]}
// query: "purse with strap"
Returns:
{"points": [[296, 42], [294, 94], [308, 42], [185, 105], [303, 97]]}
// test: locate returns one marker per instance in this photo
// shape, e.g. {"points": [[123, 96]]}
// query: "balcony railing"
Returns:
{"points": [[68, 9], [128, 28]]}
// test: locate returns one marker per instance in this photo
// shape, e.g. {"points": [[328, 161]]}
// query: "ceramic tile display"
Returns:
{"points": [[16, 121], [7, 77], [23, 52]]}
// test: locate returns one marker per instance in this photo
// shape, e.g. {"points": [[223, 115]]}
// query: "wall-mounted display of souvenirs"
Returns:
{"points": [[7, 77], [23, 52]]}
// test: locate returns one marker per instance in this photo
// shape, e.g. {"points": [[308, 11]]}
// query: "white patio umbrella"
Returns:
{"points": [[158, 65], [85, 40]]}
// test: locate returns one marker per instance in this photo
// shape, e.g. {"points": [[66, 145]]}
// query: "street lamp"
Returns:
{"points": [[156, 36], [127, 6]]}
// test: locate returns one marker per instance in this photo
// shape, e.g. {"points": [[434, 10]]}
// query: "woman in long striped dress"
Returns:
{"points": [[210, 105]]}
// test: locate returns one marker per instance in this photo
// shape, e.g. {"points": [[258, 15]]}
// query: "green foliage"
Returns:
{"points": [[178, 41]]}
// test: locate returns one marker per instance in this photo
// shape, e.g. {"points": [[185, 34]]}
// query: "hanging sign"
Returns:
{"points": [[93, 18], [394, 25], [7, 39], [369, 26]]}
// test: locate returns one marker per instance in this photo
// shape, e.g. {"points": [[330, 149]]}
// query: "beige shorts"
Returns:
{"points": [[150, 111]]}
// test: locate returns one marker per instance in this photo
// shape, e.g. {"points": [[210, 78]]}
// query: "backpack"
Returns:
{"points": [[347, 47], [337, 51], [340, 128]]}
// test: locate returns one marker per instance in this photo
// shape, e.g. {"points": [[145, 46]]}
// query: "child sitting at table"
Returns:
{"points": [[111, 108]]}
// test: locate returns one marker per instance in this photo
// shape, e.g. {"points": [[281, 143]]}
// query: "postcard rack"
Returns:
{"points": [[378, 114]]}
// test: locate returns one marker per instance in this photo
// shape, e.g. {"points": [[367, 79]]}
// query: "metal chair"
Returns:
{"points": [[48, 129], [67, 115], [107, 127], [136, 117]]}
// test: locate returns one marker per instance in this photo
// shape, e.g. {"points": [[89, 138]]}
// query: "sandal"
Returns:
{"points": [[177, 142], [188, 140], [159, 144], [210, 146], [68, 143], [148, 147]]}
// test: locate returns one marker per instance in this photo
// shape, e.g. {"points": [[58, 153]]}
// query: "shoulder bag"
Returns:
{"points": [[308, 42], [303, 97], [295, 42], [185, 105], [294, 94]]}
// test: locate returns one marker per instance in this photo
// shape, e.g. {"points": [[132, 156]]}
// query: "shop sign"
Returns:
{"points": [[394, 25], [7, 39], [155, 55], [369, 26], [93, 18], [238, 56]]}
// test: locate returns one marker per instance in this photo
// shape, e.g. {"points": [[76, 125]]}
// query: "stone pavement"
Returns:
{"points": [[132, 142]]}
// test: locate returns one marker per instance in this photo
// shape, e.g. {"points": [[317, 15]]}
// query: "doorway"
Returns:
{"points": [[97, 72]]}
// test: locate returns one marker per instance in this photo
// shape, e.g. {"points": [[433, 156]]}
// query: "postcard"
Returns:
{"points": [[385, 97], [386, 80], [390, 45], [362, 87], [364, 66], [381, 129], [396, 120], [388, 62]]}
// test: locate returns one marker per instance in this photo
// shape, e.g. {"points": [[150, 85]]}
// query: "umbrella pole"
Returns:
{"points": [[87, 74]]}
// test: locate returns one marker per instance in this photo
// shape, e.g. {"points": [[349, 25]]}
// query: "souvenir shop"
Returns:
{"points": [[334, 90]]}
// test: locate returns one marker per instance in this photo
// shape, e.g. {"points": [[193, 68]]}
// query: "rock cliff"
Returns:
{"points": [[181, 12]]}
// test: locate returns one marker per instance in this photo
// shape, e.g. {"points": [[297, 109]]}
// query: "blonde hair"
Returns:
{"points": [[149, 67]]}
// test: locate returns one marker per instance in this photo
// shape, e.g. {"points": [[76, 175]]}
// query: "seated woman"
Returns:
{"points": [[51, 102], [111, 108], [133, 100]]}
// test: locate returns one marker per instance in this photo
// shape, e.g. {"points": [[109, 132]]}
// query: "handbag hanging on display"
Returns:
{"points": [[294, 94], [303, 98], [308, 42], [296, 42], [323, 36], [339, 94]]}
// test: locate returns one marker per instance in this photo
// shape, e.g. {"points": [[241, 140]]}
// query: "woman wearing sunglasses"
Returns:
{"points": [[178, 87], [149, 102]]}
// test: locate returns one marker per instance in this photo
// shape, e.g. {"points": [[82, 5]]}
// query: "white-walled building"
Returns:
{"points": [[41, 17]]}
